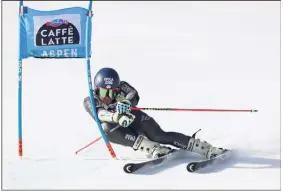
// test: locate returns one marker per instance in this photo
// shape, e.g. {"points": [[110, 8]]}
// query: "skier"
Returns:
{"points": [[137, 130]]}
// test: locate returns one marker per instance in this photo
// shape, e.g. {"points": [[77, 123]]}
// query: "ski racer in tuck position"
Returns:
{"points": [[114, 99]]}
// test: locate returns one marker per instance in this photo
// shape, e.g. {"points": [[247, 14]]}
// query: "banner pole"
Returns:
{"points": [[20, 70]]}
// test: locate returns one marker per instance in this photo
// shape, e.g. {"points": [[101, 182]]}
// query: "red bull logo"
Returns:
{"points": [[56, 22]]}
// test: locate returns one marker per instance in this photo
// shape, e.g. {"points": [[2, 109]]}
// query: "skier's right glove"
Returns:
{"points": [[124, 120], [123, 106]]}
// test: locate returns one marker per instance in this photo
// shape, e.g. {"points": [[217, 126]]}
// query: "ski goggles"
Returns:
{"points": [[103, 92]]}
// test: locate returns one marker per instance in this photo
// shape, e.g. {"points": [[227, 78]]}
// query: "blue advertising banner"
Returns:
{"points": [[54, 34]]}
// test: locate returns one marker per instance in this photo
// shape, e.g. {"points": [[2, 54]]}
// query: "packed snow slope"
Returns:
{"points": [[189, 54]]}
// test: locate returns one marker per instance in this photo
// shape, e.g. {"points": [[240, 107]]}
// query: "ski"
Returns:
{"points": [[194, 166], [133, 167]]}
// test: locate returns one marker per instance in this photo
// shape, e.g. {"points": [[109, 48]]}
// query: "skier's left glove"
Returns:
{"points": [[123, 106]]}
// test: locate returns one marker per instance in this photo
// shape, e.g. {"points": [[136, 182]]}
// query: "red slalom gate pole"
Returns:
{"points": [[197, 110]]}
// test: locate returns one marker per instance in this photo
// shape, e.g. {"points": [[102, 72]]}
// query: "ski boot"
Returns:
{"points": [[152, 149], [204, 148]]}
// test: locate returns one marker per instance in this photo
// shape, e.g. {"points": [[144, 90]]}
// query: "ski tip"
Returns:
{"points": [[191, 167], [128, 168]]}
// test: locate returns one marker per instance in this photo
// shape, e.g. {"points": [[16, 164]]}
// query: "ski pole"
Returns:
{"points": [[184, 109], [171, 109], [94, 141]]}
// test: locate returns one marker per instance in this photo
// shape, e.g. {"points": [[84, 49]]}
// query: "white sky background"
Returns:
{"points": [[177, 54]]}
